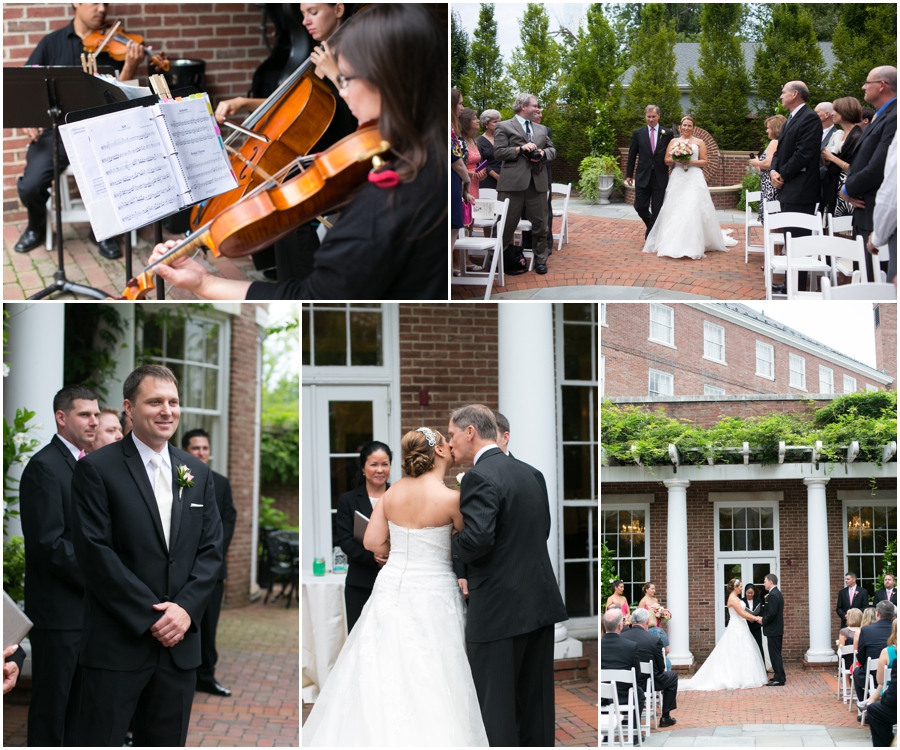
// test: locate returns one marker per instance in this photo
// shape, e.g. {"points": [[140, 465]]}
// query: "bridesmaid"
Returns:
{"points": [[648, 599], [617, 599]]}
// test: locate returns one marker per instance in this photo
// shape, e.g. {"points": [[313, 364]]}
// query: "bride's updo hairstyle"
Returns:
{"points": [[732, 585], [688, 117], [418, 454]]}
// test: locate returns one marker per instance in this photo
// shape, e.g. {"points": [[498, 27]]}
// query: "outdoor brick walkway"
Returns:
{"points": [[25, 274], [259, 662], [608, 252]]}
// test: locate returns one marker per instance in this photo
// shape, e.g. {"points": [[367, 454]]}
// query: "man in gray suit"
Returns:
{"points": [[523, 178]]}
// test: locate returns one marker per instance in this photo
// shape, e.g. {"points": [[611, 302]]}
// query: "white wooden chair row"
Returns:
{"points": [[622, 718]]}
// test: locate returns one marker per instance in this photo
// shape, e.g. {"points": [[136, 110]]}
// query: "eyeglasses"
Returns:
{"points": [[344, 81], [869, 83]]}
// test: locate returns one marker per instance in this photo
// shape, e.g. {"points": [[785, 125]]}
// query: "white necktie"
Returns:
{"points": [[163, 491]]}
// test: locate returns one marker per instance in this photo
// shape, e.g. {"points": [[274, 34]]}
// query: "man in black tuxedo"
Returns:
{"points": [[503, 444], [851, 597], [795, 166], [617, 653], [772, 621], [870, 642], [148, 538], [55, 583], [650, 649], [867, 169], [514, 598], [196, 442], [888, 593], [648, 146], [882, 715]]}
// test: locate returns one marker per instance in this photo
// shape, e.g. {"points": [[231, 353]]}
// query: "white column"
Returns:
{"points": [[818, 588], [526, 382], [34, 353], [679, 627]]}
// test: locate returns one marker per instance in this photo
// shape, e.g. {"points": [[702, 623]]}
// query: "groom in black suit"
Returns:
{"points": [[648, 146], [514, 599], [773, 626], [148, 539]]}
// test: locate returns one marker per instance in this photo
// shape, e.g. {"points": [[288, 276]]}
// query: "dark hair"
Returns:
{"points": [[616, 584], [502, 422], [480, 417], [646, 586], [849, 108], [191, 434], [750, 587], [868, 113], [732, 585], [134, 380], [851, 574], [465, 123], [455, 98], [773, 578], [402, 51], [65, 397], [369, 448], [418, 456]]}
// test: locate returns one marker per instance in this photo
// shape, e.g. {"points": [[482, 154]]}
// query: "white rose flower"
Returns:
{"points": [[459, 477]]}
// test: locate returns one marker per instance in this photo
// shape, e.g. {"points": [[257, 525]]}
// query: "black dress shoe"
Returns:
{"points": [[541, 268], [110, 249], [30, 240], [775, 683], [666, 721], [213, 688]]}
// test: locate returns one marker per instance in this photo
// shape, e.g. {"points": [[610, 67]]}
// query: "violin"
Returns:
{"points": [[117, 46], [280, 205]]}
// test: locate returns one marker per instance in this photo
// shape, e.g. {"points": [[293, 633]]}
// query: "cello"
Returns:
{"points": [[279, 205]]}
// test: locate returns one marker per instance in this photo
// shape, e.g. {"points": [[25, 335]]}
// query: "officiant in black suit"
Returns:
{"points": [[648, 146], [753, 604], [514, 598], [772, 621], [375, 469], [795, 166], [851, 597], [148, 539]]}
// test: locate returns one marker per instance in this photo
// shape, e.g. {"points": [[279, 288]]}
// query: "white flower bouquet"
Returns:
{"points": [[682, 152]]}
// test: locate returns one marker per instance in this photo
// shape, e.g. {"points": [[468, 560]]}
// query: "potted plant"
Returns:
{"points": [[599, 175]]}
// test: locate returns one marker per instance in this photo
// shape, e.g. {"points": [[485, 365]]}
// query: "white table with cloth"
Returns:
{"points": [[324, 628]]}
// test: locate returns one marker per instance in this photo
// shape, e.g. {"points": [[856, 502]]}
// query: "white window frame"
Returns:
{"points": [[794, 358], [847, 380], [603, 315], [826, 379], [710, 331], [872, 388], [771, 361], [712, 390], [857, 498], [670, 325], [630, 506], [661, 375], [602, 375]]}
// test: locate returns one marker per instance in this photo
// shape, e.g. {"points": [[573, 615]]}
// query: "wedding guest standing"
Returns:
{"points": [[852, 596], [617, 599], [847, 114], [763, 162], [489, 119], [468, 124], [754, 606], [375, 470]]}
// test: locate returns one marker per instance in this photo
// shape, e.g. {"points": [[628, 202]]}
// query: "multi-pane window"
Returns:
{"points": [[662, 324], [747, 528], [661, 384], [765, 360], [870, 388], [711, 390], [625, 533], [343, 335], [849, 384], [798, 372], [713, 342], [826, 380], [867, 531]]}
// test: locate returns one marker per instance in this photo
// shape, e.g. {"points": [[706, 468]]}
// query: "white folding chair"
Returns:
{"points": [[483, 216], [844, 681], [874, 291], [871, 689], [751, 222], [835, 225], [833, 248], [492, 250], [652, 699], [610, 718], [778, 263], [630, 709], [488, 194], [524, 226], [557, 188]]}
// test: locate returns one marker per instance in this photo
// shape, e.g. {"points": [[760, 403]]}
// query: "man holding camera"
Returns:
{"points": [[524, 148]]}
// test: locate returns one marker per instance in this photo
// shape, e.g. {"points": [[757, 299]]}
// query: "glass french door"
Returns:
{"points": [[748, 570]]}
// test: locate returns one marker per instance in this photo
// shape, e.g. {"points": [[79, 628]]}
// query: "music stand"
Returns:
{"points": [[41, 97]]}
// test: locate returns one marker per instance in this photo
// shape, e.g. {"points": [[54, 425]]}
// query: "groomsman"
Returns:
{"points": [[53, 596], [888, 593], [851, 597]]}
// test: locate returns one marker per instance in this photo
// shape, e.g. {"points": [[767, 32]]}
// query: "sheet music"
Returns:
{"points": [[200, 151]]}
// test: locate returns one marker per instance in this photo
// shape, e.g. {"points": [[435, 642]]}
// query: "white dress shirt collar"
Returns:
{"points": [[147, 453], [72, 449], [522, 122], [797, 109], [483, 451]]}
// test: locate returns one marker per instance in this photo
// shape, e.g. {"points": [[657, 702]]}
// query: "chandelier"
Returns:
{"points": [[857, 527], [635, 530]]}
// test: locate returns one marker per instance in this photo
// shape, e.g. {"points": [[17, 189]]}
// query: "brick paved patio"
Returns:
{"points": [[259, 661]]}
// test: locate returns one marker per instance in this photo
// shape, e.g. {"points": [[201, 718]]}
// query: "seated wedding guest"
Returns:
{"points": [[489, 119], [847, 636], [468, 125], [868, 616], [617, 653], [649, 648], [870, 641], [886, 659], [109, 429], [389, 240], [754, 605], [851, 596], [888, 593], [763, 162], [847, 114], [646, 601], [617, 599], [882, 716], [375, 471]]}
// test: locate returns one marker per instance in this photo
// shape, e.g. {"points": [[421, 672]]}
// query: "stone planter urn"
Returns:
{"points": [[605, 186]]}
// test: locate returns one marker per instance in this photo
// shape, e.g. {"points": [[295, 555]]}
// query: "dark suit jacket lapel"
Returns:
{"points": [[67, 454], [178, 504], [139, 474]]}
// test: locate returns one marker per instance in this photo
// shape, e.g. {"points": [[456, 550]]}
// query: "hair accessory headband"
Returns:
{"points": [[429, 436]]}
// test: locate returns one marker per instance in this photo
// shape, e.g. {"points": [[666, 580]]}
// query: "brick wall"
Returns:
{"points": [[225, 35], [286, 499], [241, 446], [793, 567], [630, 356], [886, 339]]}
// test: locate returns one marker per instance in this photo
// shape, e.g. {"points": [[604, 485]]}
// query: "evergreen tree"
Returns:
{"points": [[654, 80], [789, 52], [459, 52], [485, 84], [535, 63], [719, 91], [865, 38]]}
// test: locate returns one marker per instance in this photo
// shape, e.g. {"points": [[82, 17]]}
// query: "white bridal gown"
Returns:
{"points": [[734, 663], [687, 225], [402, 678]]}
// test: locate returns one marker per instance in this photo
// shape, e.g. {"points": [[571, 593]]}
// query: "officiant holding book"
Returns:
{"points": [[375, 470]]}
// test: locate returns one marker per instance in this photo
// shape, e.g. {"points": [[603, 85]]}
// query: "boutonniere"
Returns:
{"points": [[185, 479], [459, 479], [662, 131]]}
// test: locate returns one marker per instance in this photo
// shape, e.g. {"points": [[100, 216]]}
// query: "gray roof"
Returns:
{"points": [[687, 56]]}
